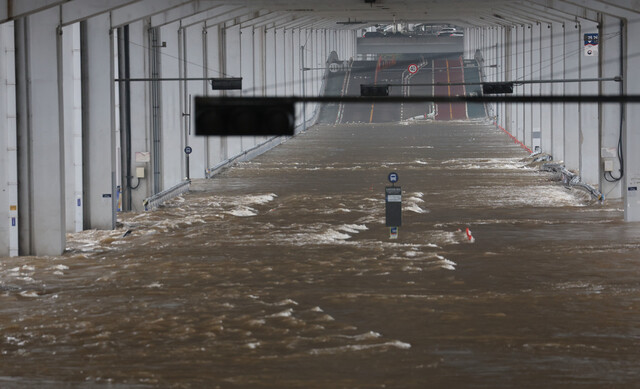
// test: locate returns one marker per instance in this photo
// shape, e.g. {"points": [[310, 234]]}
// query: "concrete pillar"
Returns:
{"points": [[557, 110], [281, 62], [270, 62], [520, 75], [501, 61], [8, 145], [573, 51], [99, 142], [527, 109], [536, 70], [40, 135], [72, 102], [513, 75], [172, 141], [589, 137], [546, 73], [631, 133], [611, 62], [216, 146], [289, 64], [233, 65], [194, 65], [141, 136]]}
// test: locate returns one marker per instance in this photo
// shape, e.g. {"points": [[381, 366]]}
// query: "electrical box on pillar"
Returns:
{"points": [[244, 116]]}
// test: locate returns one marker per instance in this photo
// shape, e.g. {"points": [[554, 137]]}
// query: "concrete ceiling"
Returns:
{"points": [[338, 14]]}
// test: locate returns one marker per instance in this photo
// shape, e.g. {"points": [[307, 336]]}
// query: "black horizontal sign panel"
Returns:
{"points": [[226, 116]]}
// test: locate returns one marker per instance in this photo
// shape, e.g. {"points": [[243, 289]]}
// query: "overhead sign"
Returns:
{"points": [[256, 116], [489, 88], [413, 68], [369, 90], [229, 83], [591, 45]]}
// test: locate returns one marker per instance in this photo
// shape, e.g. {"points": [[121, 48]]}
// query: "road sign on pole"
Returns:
{"points": [[413, 68]]}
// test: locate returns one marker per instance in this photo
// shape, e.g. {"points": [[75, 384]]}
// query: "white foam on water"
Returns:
{"points": [[154, 285], [353, 228], [285, 313], [61, 267], [445, 263], [253, 345], [259, 199], [419, 162], [360, 347], [29, 293], [316, 309], [286, 302], [415, 199], [412, 253], [28, 267], [414, 208], [243, 211]]}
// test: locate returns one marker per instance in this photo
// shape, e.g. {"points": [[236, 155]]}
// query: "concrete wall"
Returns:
{"points": [[575, 134]]}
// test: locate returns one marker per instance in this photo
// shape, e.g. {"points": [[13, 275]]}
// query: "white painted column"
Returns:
{"points": [[233, 65], [520, 69], [72, 95], [8, 145], [172, 136], [557, 110], [281, 63], [536, 70], [631, 134], [194, 64], [573, 51], [141, 136], [513, 75], [527, 124], [41, 135], [610, 58], [501, 61], [216, 144], [247, 63], [270, 62], [589, 137], [98, 126], [546, 73]]}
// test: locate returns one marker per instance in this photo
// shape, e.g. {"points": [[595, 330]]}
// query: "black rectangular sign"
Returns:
{"points": [[243, 116], [393, 206], [226, 83], [490, 88]]}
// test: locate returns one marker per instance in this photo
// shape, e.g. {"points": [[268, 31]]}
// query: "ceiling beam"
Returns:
{"points": [[75, 11], [141, 10], [598, 6], [12, 9]]}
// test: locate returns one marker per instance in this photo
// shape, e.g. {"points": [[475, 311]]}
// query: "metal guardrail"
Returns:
{"points": [[157, 199]]}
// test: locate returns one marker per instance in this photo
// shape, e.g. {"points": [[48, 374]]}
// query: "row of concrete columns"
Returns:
{"points": [[63, 150], [582, 136]]}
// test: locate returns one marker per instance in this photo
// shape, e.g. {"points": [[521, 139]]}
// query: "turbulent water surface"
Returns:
{"points": [[280, 273]]}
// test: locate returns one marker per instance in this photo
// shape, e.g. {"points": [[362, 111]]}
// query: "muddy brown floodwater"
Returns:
{"points": [[279, 273]]}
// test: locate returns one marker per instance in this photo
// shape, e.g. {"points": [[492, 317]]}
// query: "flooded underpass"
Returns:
{"points": [[279, 273]]}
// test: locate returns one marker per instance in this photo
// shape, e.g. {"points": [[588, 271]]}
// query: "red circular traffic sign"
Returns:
{"points": [[413, 68]]}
